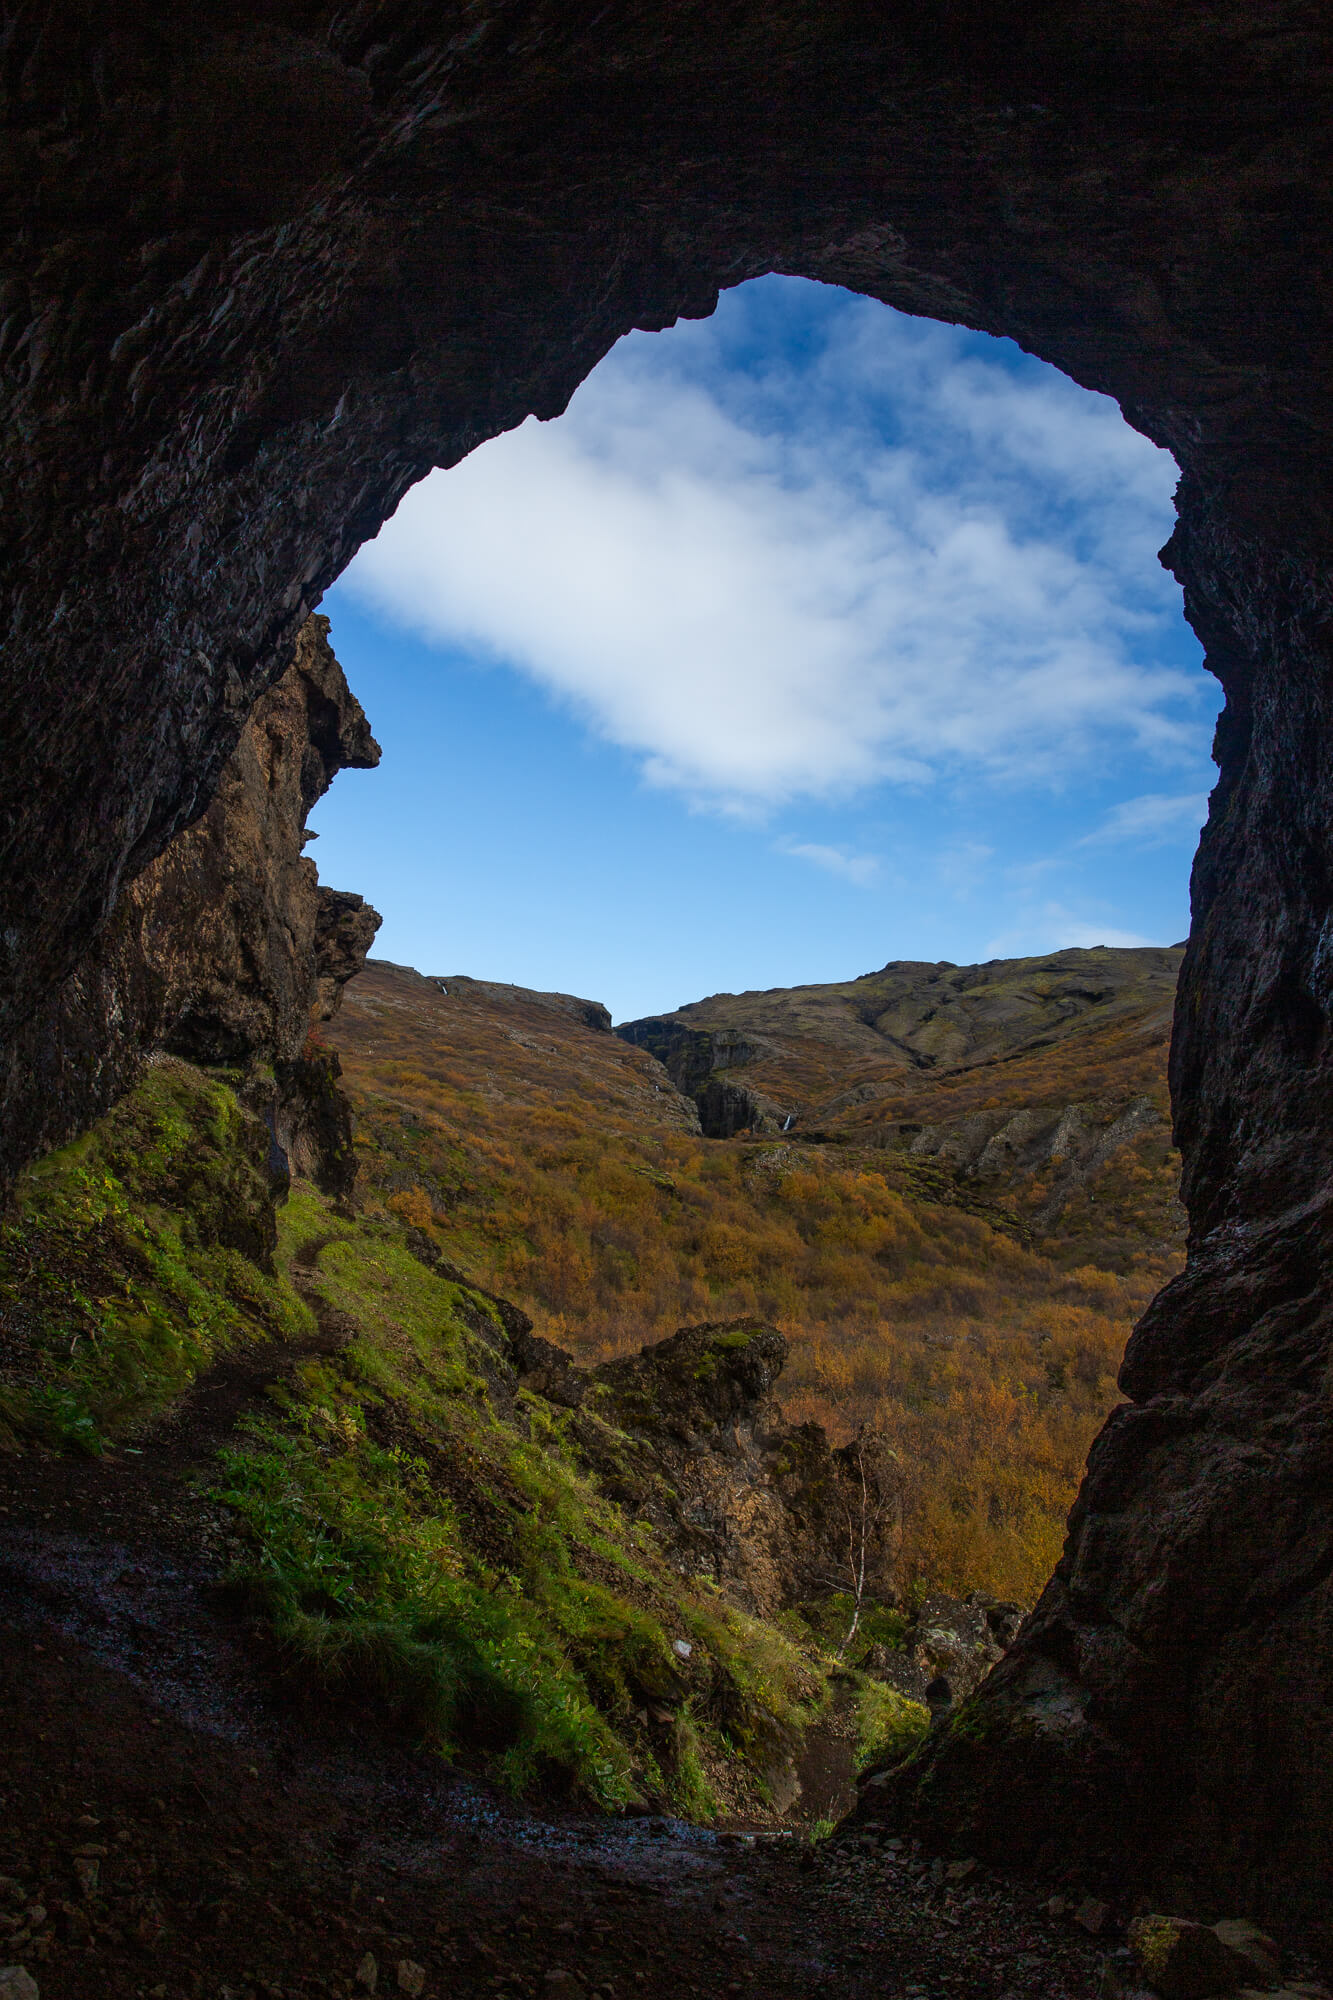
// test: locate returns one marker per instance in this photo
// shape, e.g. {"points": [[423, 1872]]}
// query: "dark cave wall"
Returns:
{"points": [[265, 268]]}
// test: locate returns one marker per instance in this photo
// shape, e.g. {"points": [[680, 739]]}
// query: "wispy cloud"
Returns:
{"points": [[890, 560], [1055, 928], [1153, 820], [863, 869], [962, 866]]}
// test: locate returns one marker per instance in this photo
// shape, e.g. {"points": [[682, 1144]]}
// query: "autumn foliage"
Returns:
{"points": [[553, 1164]]}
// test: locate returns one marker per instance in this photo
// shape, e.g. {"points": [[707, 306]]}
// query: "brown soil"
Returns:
{"points": [[250, 1845]]}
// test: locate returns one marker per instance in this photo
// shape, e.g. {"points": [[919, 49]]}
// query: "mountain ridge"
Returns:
{"points": [[839, 1057]]}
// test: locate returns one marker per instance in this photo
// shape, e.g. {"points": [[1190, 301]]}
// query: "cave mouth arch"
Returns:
{"points": [[858, 612], [261, 276]]}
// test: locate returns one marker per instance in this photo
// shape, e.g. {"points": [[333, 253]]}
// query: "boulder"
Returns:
{"points": [[1188, 1961], [952, 1641]]}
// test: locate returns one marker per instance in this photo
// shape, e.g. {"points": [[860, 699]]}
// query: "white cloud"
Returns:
{"points": [[1152, 820], [742, 583], [1054, 928], [862, 869]]}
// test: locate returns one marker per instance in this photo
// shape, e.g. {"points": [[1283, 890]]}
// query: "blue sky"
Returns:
{"points": [[810, 637]]}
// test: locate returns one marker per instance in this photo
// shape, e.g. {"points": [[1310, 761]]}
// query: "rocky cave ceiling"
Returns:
{"points": [[264, 266]]}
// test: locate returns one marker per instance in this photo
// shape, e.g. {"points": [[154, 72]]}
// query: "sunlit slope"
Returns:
{"points": [[958, 1255], [824, 1052]]}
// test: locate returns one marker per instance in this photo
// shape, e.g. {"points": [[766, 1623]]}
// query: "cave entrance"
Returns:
{"points": [[854, 617], [233, 341], [811, 636]]}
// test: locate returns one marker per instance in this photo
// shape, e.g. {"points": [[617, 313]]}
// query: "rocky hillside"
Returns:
{"points": [[571, 1580], [955, 1261], [1027, 1078]]}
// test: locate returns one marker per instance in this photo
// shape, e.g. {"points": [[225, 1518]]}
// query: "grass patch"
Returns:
{"points": [[372, 1589], [889, 1726]]}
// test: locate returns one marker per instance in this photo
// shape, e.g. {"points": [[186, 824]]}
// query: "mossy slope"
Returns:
{"points": [[423, 1535]]}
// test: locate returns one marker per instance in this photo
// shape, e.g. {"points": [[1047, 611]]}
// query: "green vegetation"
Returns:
{"points": [[889, 1726], [134, 1257], [368, 1582], [423, 1536]]}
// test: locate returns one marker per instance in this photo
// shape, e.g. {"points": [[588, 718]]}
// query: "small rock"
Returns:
{"points": [[17, 1984], [1056, 1906], [681, 1648], [411, 1978], [368, 1973], [87, 1869], [1119, 1978], [958, 1871], [1092, 1915], [1253, 1945], [937, 1871], [558, 1981], [1186, 1961]]}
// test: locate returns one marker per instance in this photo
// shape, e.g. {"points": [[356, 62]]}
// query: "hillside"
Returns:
{"points": [[583, 1584], [974, 1199]]}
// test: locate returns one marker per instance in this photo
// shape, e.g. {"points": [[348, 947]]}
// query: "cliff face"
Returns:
{"points": [[226, 949], [261, 273]]}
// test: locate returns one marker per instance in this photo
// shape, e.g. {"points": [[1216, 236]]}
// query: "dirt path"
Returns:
{"points": [[177, 1825]]}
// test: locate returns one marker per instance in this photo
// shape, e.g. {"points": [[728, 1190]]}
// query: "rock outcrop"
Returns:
{"points": [[227, 949], [261, 271], [698, 1061], [686, 1434], [949, 1648]]}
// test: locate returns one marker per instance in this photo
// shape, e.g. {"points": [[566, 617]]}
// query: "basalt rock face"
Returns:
{"points": [[262, 271], [696, 1061], [226, 949]]}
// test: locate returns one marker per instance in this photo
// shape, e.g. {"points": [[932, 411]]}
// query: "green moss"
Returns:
{"points": [[135, 1256], [889, 1725], [970, 1722], [830, 1619], [371, 1587], [1152, 1940]]}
